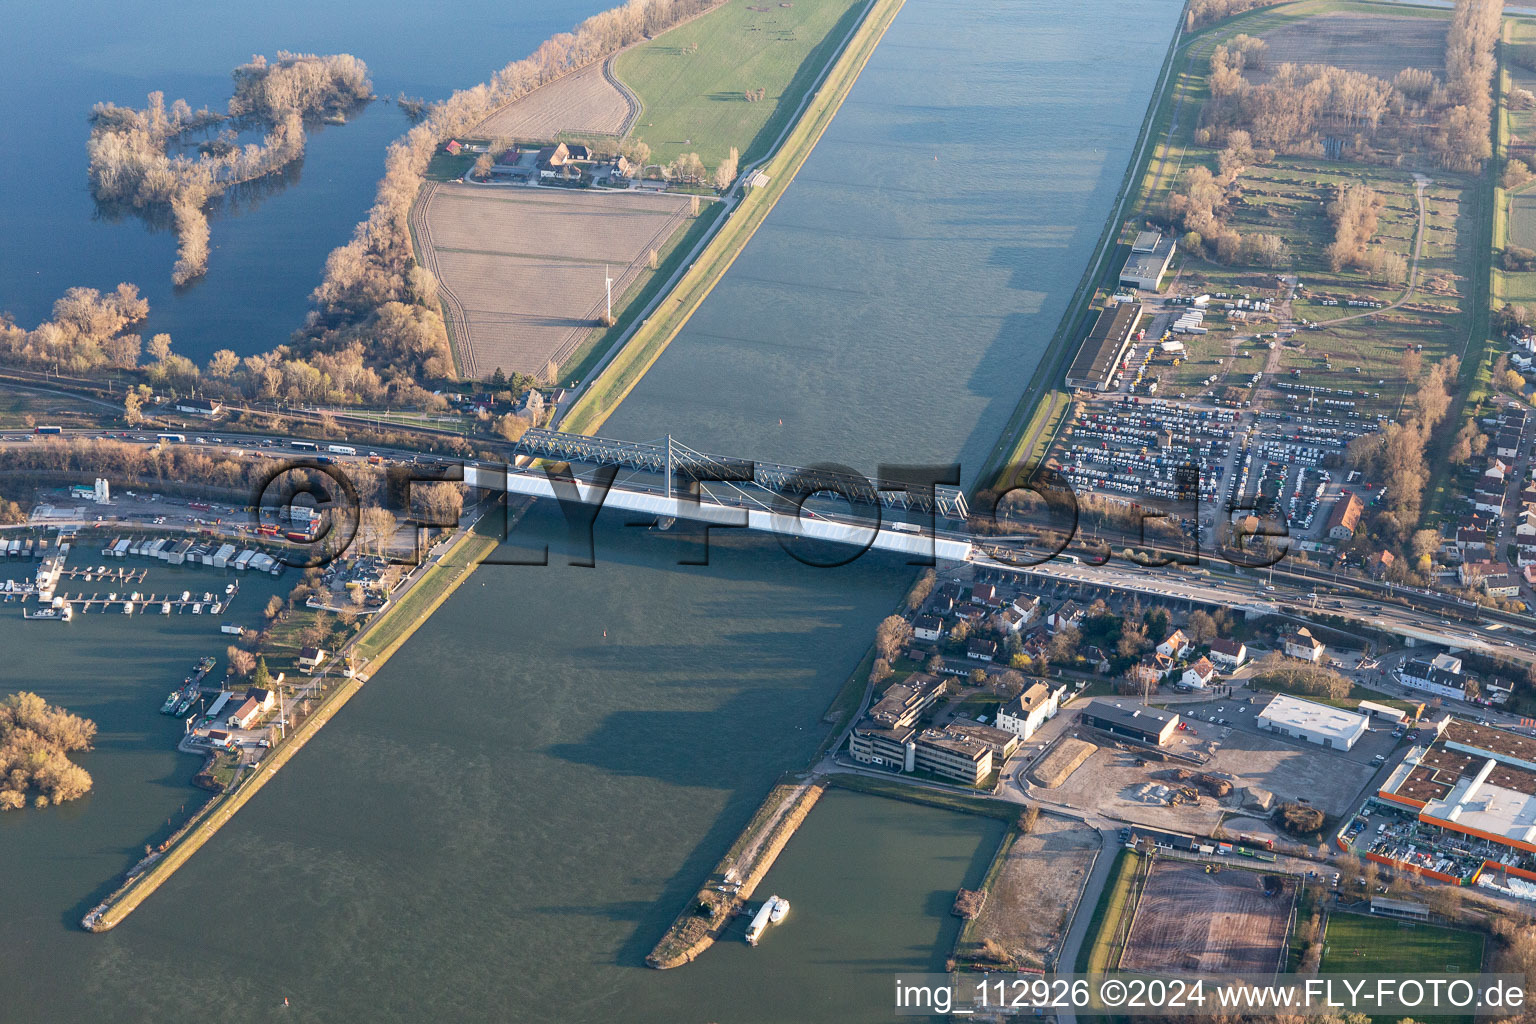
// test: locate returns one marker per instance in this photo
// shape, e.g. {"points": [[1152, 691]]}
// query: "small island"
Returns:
{"points": [[36, 740]]}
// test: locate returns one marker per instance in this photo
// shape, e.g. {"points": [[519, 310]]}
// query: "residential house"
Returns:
{"points": [[1471, 542], [310, 658], [980, 648], [552, 160], [1302, 644], [1024, 715], [1199, 675], [985, 594], [1434, 675], [264, 698], [1497, 472], [1345, 517], [1067, 616], [1096, 658], [532, 406], [1486, 499], [928, 628], [1474, 573], [1501, 584], [944, 598], [1228, 654], [1028, 607], [453, 147], [1525, 525], [1013, 620], [1379, 564], [1175, 647]]}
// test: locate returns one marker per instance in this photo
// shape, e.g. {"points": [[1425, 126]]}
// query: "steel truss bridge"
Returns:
{"points": [[674, 460]]}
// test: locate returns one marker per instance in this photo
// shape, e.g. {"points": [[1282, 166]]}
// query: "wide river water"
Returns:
{"points": [[508, 816]]}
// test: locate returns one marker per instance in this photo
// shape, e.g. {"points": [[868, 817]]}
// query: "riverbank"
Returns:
{"points": [[630, 362], [1042, 408], [396, 625], [736, 876]]}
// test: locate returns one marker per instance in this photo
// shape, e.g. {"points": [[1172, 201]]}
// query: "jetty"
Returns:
{"points": [[728, 888]]}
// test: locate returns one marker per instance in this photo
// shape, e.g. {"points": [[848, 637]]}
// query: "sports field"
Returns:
{"points": [[1190, 919], [693, 81], [1356, 944]]}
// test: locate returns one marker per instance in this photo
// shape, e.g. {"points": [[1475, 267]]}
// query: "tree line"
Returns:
{"points": [[128, 149], [1395, 455], [1300, 103], [376, 266], [36, 740]]}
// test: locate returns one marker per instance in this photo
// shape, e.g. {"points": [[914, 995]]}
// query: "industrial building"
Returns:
{"points": [[1104, 347], [1472, 780], [888, 736], [1316, 723], [1151, 254], [1132, 721]]}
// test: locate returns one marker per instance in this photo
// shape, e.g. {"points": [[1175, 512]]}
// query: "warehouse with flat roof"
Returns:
{"points": [[1104, 346], [1150, 256], [1132, 721], [1307, 720]]}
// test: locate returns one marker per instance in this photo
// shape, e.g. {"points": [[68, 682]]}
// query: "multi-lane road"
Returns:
{"points": [[1412, 615]]}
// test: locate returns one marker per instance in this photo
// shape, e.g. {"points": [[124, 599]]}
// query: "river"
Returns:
{"points": [[506, 818]]}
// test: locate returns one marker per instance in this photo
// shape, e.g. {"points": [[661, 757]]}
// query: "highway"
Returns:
{"points": [[1409, 614]]}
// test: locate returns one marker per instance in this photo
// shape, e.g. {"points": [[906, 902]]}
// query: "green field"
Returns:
{"points": [[694, 99], [1355, 944], [1522, 220]]}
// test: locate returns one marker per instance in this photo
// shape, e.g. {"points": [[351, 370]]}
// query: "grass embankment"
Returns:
{"points": [[1101, 951], [383, 637], [747, 861], [692, 81], [398, 622], [651, 339]]}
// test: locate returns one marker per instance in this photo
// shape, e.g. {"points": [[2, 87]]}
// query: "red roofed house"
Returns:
{"points": [[1345, 517]]}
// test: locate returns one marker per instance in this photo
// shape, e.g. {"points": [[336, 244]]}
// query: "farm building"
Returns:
{"points": [[1316, 723], [1103, 347], [1132, 721], [1151, 254]]}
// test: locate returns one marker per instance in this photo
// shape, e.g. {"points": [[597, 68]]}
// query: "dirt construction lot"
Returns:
{"points": [[1115, 782], [583, 101], [1030, 902], [1188, 920], [1374, 44], [522, 269]]}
